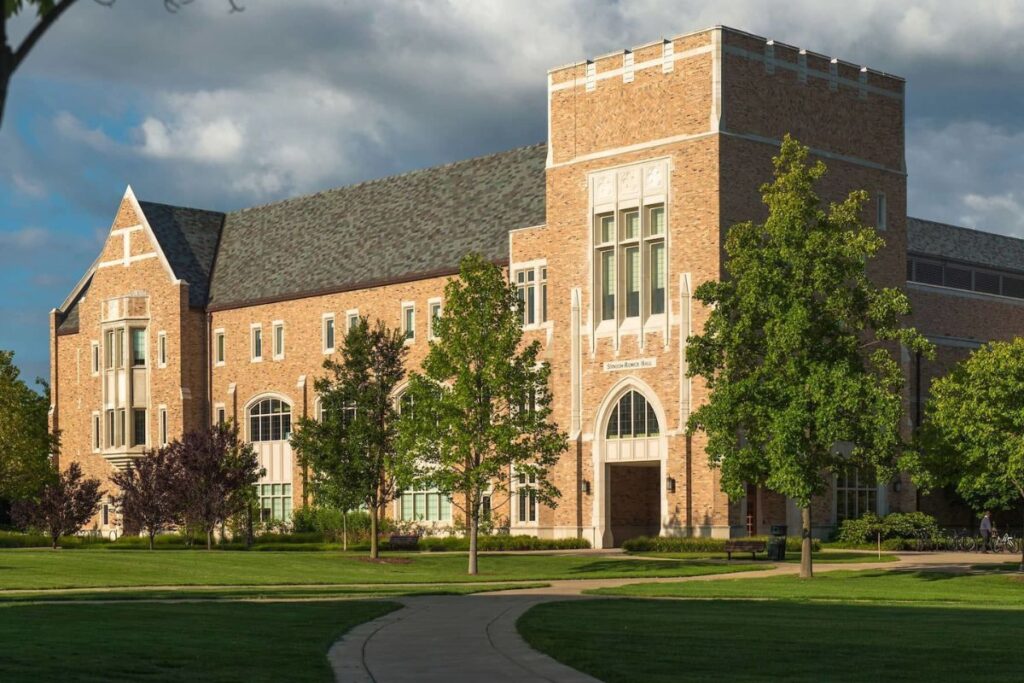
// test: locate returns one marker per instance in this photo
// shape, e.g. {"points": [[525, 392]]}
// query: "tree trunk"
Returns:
{"points": [[374, 545], [1021, 568], [474, 524], [209, 538], [4, 80], [55, 538], [806, 568], [151, 535], [344, 531], [248, 526]]}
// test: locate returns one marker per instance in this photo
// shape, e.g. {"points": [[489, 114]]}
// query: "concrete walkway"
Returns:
{"points": [[474, 637]]}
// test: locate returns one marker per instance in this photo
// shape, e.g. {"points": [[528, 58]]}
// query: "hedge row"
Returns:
{"points": [[691, 544], [294, 541], [448, 543]]}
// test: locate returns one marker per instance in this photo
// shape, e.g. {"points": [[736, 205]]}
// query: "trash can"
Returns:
{"points": [[777, 543]]}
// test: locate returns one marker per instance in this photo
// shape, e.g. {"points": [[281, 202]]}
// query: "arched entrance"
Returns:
{"points": [[629, 455], [268, 427]]}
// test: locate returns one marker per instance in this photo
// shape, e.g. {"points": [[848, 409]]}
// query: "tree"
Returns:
{"points": [[481, 407], [25, 439], [213, 468], [797, 350], [973, 432], [148, 495], [47, 13], [353, 449], [64, 504]]}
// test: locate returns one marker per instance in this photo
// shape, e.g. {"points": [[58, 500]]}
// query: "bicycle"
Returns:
{"points": [[1004, 543], [964, 541]]}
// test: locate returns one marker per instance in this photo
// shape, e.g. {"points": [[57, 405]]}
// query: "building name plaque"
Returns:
{"points": [[631, 364]]}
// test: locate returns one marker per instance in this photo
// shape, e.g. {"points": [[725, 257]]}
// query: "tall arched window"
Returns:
{"points": [[632, 418], [270, 420]]}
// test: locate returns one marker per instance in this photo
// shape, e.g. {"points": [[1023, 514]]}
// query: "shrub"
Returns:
{"points": [[13, 539], [501, 542], [896, 525], [693, 544], [329, 522]]}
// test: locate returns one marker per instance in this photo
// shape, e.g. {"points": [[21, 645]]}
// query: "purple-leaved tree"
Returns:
{"points": [[64, 504], [148, 498], [213, 472]]}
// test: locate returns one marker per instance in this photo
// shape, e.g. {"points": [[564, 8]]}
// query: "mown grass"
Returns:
{"points": [[47, 569], [936, 588], [222, 593], [658, 641], [176, 642], [824, 557]]}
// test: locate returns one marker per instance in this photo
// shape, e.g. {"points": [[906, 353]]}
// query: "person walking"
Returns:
{"points": [[986, 532]]}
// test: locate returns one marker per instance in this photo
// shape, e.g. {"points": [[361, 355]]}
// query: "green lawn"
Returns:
{"points": [[937, 588], [829, 557], [184, 642], [41, 569], [702, 640], [256, 592]]}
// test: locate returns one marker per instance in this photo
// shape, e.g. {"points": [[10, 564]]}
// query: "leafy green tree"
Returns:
{"points": [[481, 407], [352, 449], [973, 432], [795, 350], [25, 439]]}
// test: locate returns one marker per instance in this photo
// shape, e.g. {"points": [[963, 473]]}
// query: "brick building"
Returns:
{"points": [[189, 317]]}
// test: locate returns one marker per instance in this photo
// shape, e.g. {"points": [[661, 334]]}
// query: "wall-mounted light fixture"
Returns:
{"points": [[670, 484], [586, 487]]}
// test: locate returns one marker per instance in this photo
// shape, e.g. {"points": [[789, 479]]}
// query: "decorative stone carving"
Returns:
{"points": [[629, 183], [604, 189]]}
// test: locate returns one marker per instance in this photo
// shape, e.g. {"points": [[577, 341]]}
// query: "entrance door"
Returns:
{"points": [[753, 509], [634, 500]]}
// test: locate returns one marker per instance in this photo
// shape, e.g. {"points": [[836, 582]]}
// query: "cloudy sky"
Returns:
{"points": [[217, 110]]}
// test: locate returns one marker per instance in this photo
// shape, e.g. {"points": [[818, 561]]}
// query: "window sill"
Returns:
{"points": [[256, 360]]}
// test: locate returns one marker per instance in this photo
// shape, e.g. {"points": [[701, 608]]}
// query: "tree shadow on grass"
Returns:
{"points": [[660, 641], [648, 567]]}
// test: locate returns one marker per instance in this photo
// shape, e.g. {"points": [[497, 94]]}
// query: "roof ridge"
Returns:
{"points": [[394, 176], [179, 206], [964, 227]]}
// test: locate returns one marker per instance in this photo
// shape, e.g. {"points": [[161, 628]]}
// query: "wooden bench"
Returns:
{"points": [[403, 542], [752, 547]]}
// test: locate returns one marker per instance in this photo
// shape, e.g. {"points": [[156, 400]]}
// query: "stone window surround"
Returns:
{"points": [[328, 318], [255, 333], [409, 321], [431, 303], [539, 266], [161, 349], [277, 339], [220, 349], [638, 185]]}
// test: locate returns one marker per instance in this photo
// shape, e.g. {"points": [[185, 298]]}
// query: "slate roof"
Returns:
{"points": [[69, 322], [189, 239], [397, 228], [964, 244]]}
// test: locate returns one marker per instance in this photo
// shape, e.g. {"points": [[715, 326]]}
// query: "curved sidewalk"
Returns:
{"points": [[474, 638]]}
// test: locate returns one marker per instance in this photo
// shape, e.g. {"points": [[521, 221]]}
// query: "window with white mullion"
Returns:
{"points": [[630, 263], [654, 238]]}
